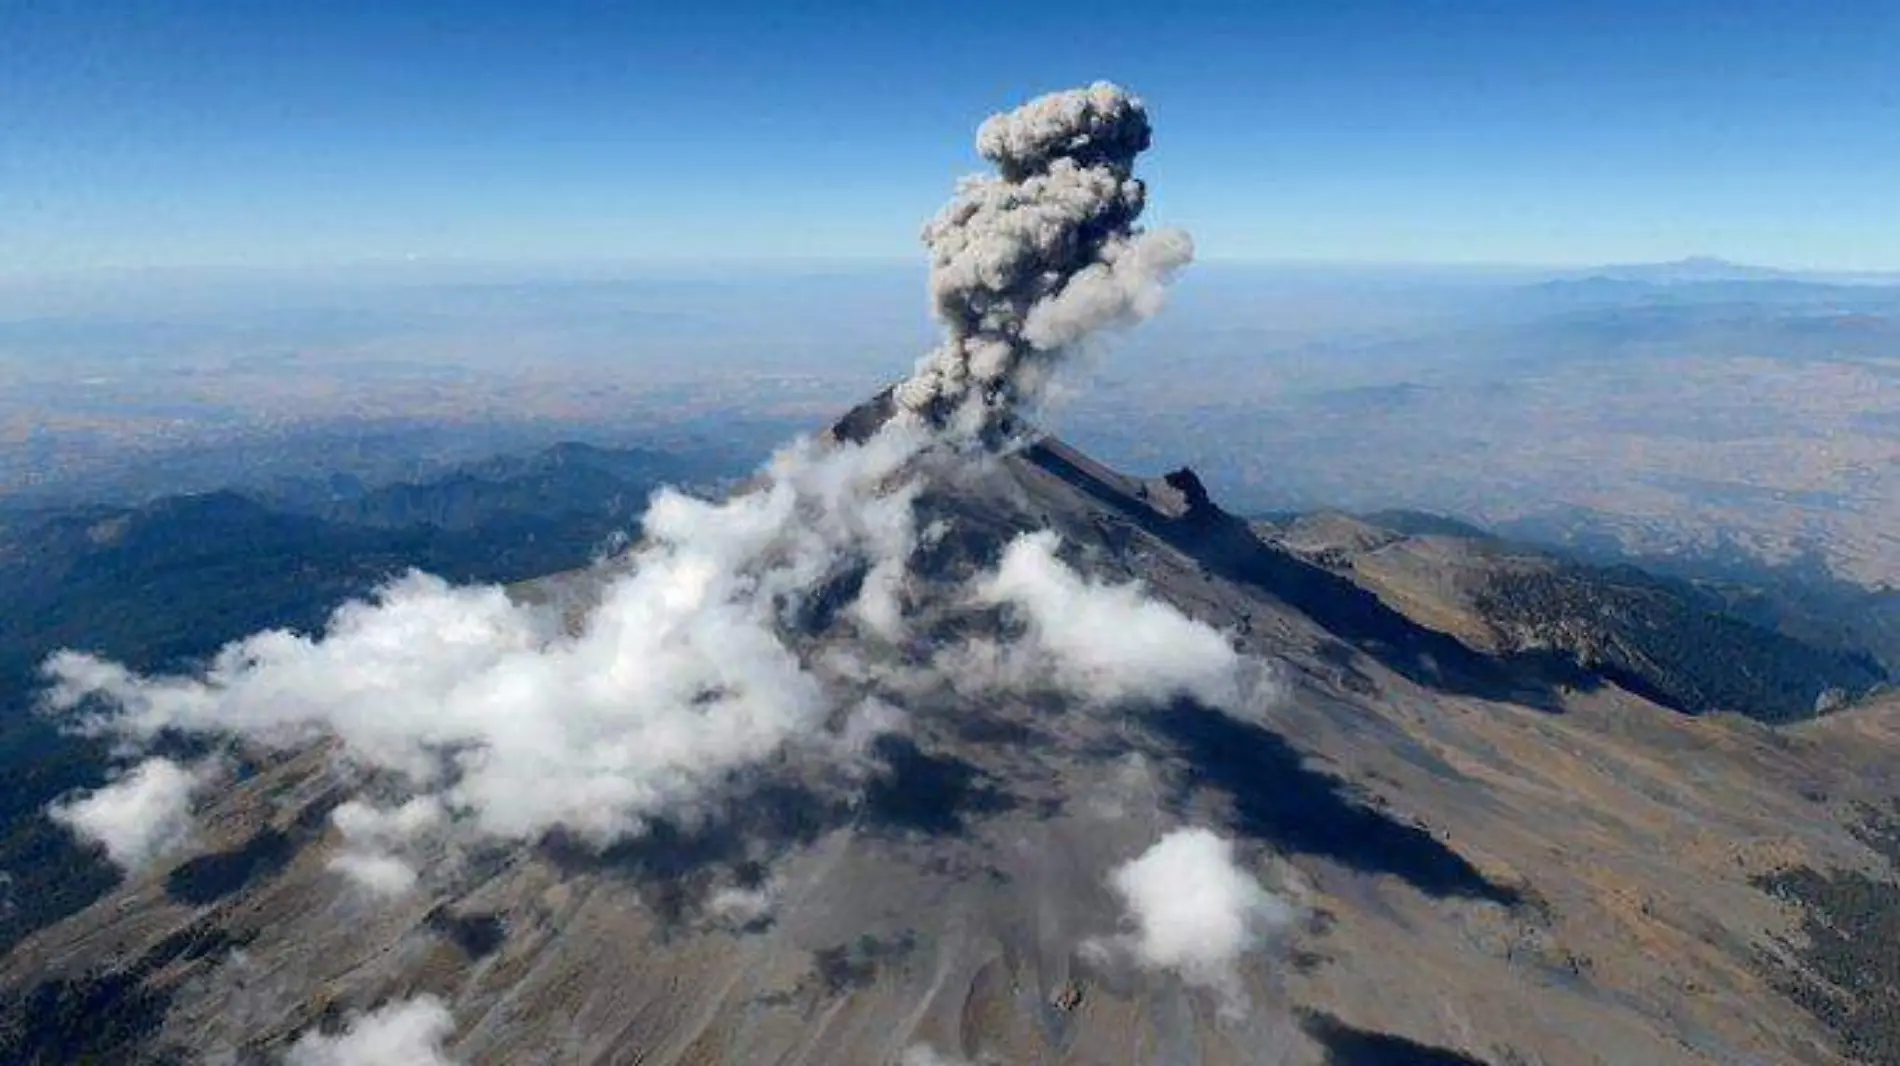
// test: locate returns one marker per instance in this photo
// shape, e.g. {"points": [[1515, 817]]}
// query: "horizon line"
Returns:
{"points": [[603, 268]]}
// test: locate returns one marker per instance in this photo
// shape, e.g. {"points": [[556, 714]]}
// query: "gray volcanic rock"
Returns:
{"points": [[1489, 864]]}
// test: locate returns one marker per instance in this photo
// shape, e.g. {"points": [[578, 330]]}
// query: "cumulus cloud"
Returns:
{"points": [[361, 823], [373, 837], [379, 874], [1105, 642], [409, 1033], [1194, 910], [139, 817], [501, 713], [1026, 263]]}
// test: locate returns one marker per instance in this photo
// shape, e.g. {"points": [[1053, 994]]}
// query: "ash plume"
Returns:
{"points": [[1028, 262]]}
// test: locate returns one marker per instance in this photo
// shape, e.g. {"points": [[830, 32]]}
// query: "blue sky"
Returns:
{"points": [[260, 133]]}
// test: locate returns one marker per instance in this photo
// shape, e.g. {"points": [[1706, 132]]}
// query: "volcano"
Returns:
{"points": [[1479, 858]]}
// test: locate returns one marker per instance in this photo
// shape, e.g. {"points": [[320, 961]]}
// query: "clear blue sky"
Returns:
{"points": [[268, 133]]}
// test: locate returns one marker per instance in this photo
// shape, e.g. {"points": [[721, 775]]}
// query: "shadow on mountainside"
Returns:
{"points": [[675, 864], [926, 793], [205, 879], [1347, 1046], [103, 1017], [1276, 799]]}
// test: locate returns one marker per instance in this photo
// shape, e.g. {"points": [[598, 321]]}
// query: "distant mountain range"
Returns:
{"points": [[1700, 282], [1694, 269], [1705, 269]]}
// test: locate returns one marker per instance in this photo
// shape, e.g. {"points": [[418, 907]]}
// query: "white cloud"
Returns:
{"points": [[363, 824], [1194, 910], [372, 838], [1105, 642], [410, 1033], [139, 817], [501, 714], [879, 606], [743, 906], [378, 873]]}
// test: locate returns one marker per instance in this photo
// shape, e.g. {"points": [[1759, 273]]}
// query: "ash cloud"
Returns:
{"points": [[1028, 262], [408, 1033]]}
